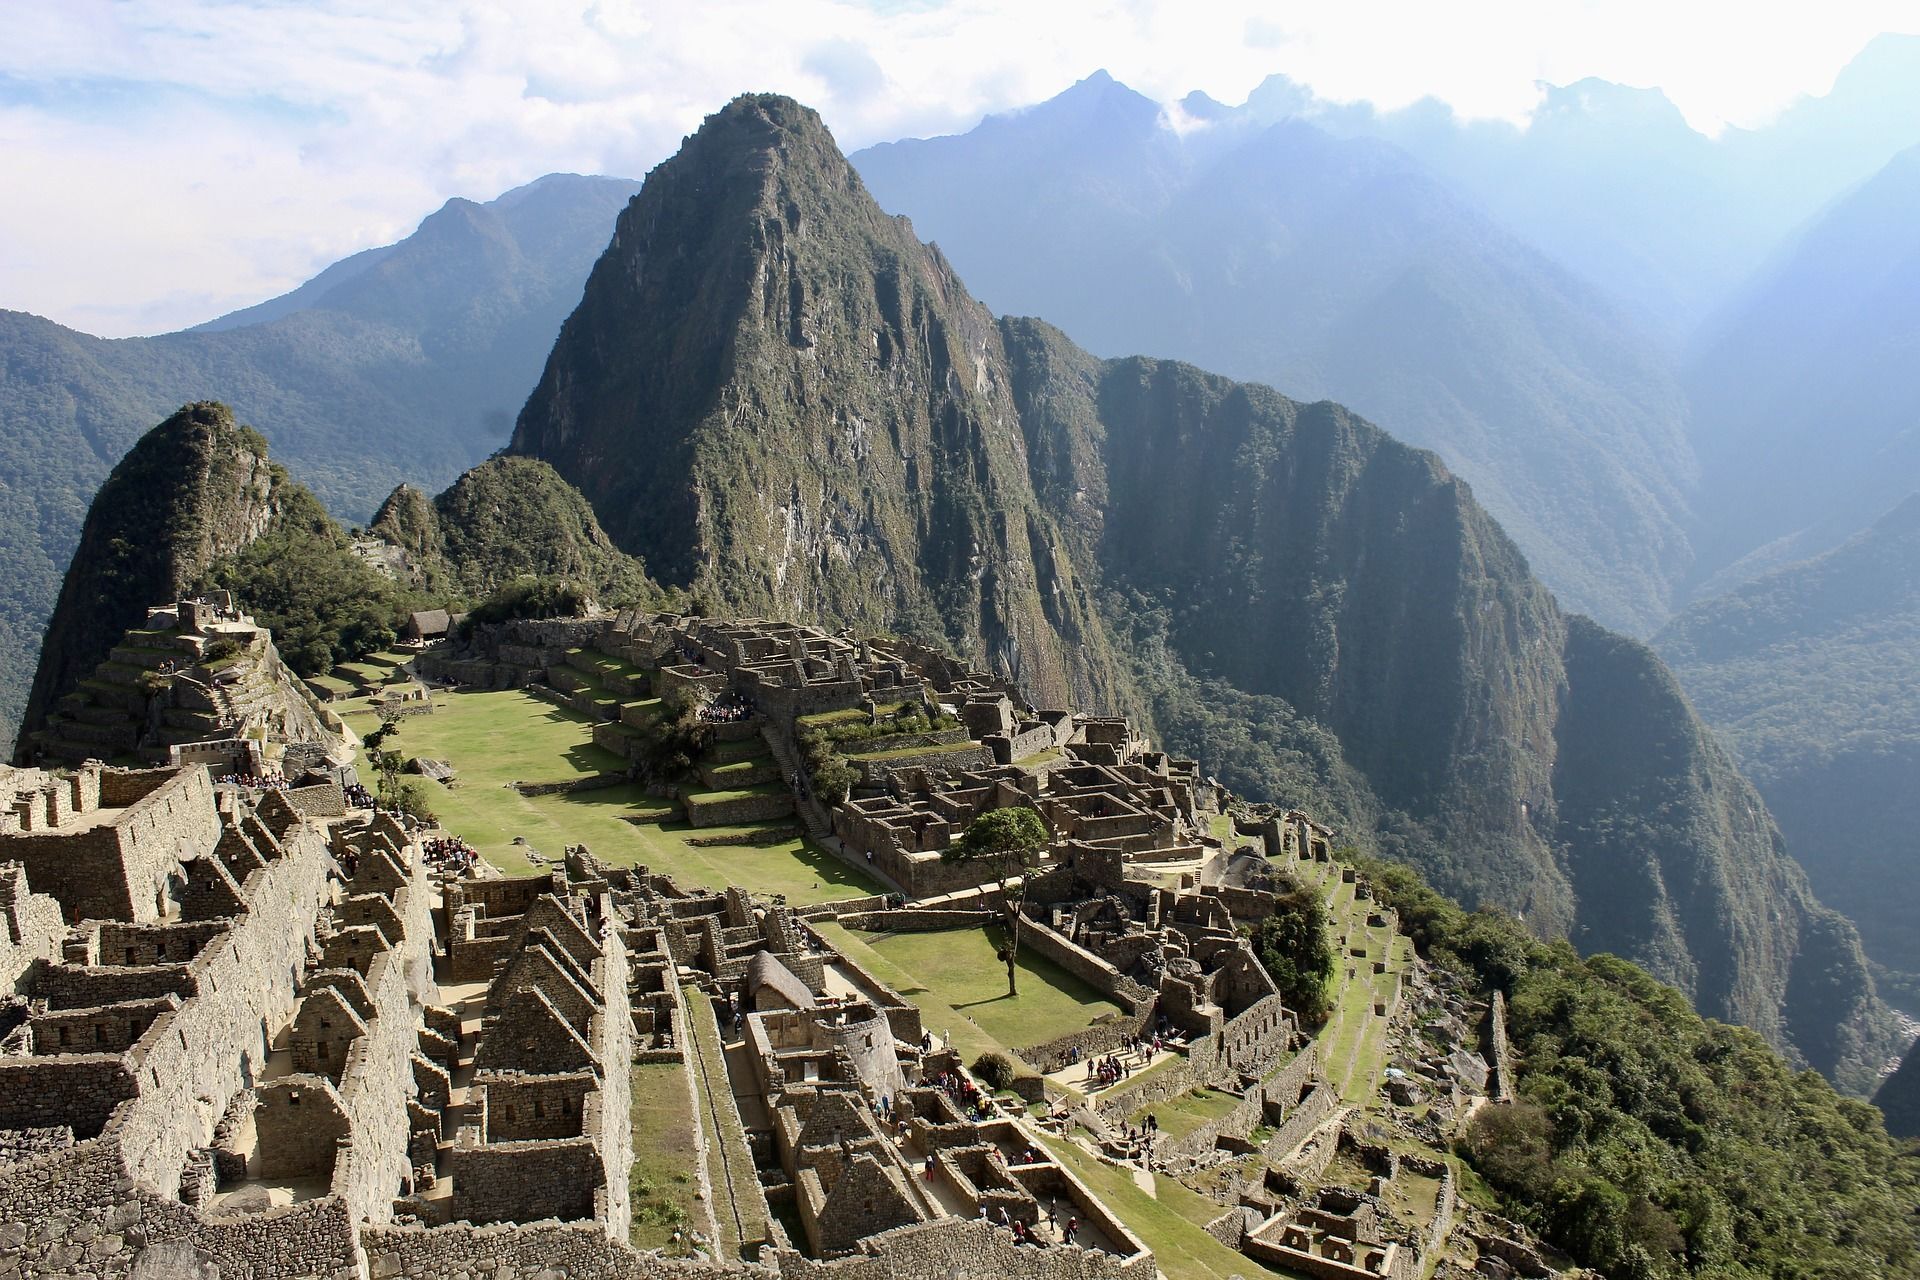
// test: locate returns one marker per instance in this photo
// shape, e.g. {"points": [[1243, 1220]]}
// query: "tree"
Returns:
{"points": [[1007, 842], [1293, 945]]}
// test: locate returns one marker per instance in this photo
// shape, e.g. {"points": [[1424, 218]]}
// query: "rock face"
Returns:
{"points": [[195, 488], [788, 405], [795, 408]]}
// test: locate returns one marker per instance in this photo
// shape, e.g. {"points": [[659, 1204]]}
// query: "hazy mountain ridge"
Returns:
{"points": [[1806, 390], [1812, 672], [822, 422], [400, 364], [1332, 267]]}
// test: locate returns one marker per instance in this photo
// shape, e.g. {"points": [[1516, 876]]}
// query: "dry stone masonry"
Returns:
{"points": [[253, 1034]]}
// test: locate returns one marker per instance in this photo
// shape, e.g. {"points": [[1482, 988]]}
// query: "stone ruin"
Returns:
{"points": [[199, 683]]}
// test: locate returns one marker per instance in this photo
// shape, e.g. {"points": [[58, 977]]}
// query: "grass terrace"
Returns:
{"points": [[961, 969], [497, 738], [1182, 1115], [663, 1183], [1169, 1218]]}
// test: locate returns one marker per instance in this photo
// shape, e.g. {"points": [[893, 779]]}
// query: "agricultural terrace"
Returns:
{"points": [[496, 739]]}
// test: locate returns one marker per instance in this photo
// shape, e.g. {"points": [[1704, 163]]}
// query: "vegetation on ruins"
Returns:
{"points": [[995, 1070], [302, 581], [1008, 842], [1294, 946], [395, 792], [828, 773], [675, 740], [1652, 1142], [529, 597]]}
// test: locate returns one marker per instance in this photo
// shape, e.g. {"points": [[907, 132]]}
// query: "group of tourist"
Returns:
{"points": [[450, 854], [1023, 1234], [966, 1095], [728, 710], [1108, 1070], [359, 797], [270, 781]]}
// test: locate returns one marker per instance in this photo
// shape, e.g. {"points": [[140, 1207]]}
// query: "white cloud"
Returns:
{"points": [[166, 160]]}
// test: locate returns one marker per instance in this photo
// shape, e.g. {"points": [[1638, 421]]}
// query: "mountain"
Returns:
{"points": [[193, 489], [1806, 393], [784, 402], [1812, 673], [504, 519], [1613, 181], [197, 505], [401, 363], [1332, 267], [700, 399]]}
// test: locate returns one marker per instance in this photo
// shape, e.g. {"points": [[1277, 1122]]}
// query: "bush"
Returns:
{"points": [[995, 1071], [1292, 944], [532, 598]]}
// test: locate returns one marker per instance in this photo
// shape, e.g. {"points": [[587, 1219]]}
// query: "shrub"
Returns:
{"points": [[995, 1071]]}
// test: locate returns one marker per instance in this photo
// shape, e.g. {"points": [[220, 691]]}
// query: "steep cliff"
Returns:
{"points": [[1299, 556], [787, 404], [195, 488]]}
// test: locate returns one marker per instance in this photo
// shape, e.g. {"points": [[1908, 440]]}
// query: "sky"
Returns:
{"points": [[166, 161]]}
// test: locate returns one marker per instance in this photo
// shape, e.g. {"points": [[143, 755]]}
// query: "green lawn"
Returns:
{"points": [[1182, 1115], [501, 737], [1170, 1221], [960, 968], [663, 1182]]}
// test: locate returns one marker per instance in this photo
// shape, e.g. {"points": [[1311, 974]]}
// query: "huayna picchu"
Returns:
{"points": [[865, 789]]}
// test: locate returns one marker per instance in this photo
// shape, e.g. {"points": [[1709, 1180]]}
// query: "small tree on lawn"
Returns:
{"points": [[1008, 842], [386, 763]]}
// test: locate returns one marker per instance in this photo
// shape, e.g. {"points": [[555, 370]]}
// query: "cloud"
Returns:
{"points": [[846, 69], [170, 159]]}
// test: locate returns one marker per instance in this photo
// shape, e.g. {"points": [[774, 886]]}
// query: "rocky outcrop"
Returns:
{"points": [[195, 488], [788, 405]]}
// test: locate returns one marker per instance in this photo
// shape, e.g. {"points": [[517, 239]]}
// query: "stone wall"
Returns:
{"points": [[79, 1211], [958, 759], [1084, 965], [214, 1045], [1500, 1050], [909, 920], [1247, 1045], [743, 809], [119, 869], [30, 926]]}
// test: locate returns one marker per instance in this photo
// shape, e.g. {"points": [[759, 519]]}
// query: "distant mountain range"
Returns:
{"points": [[405, 363], [1806, 389], [1812, 672], [1330, 268]]}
